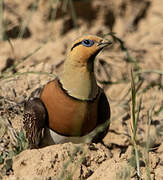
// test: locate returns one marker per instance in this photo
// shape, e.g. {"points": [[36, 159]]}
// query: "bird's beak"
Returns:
{"points": [[104, 43]]}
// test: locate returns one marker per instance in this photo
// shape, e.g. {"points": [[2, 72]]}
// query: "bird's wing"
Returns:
{"points": [[34, 119], [103, 117], [36, 93]]}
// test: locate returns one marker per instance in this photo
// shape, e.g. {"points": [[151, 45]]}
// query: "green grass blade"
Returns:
{"points": [[28, 72], [22, 60], [134, 123]]}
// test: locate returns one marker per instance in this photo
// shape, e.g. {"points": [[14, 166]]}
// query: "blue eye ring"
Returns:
{"points": [[87, 42]]}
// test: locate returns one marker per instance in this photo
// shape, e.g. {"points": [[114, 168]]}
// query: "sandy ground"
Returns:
{"points": [[45, 30]]}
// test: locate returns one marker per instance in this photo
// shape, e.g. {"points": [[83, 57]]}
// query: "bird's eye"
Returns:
{"points": [[87, 42]]}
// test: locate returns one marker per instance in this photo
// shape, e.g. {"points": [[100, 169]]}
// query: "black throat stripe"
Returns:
{"points": [[84, 100]]}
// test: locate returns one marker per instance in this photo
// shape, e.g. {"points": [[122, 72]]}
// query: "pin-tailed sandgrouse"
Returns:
{"points": [[72, 107]]}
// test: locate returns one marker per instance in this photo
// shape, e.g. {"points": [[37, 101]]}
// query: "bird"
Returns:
{"points": [[72, 107]]}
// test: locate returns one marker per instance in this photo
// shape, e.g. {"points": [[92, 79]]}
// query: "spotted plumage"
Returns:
{"points": [[34, 121]]}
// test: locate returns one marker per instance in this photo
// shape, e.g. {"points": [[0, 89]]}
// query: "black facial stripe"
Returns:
{"points": [[76, 45]]}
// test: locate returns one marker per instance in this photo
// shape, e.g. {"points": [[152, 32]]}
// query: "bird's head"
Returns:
{"points": [[77, 77], [84, 50]]}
